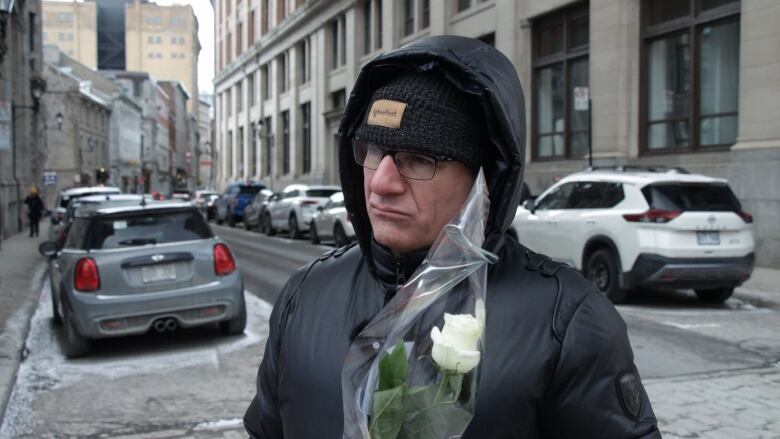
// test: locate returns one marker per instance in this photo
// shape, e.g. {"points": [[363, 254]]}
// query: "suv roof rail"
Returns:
{"points": [[639, 168]]}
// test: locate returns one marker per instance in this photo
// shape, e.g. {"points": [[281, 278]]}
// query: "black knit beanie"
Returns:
{"points": [[422, 112]]}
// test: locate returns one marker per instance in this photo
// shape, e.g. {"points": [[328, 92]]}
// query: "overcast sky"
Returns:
{"points": [[205, 14]]}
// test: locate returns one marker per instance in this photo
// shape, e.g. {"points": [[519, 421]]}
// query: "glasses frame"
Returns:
{"points": [[392, 152]]}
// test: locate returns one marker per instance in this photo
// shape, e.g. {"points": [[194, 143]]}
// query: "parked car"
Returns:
{"points": [[204, 201], [296, 207], [644, 227], [180, 195], [127, 269], [65, 196], [230, 206], [76, 203], [332, 222], [254, 212]]}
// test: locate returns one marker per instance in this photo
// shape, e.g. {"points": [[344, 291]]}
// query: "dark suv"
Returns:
{"points": [[231, 205]]}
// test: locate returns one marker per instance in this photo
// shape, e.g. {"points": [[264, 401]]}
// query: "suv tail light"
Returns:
{"points": [[87, 277], [746, 217], [652, 216], [309, 202], [223, 260]]}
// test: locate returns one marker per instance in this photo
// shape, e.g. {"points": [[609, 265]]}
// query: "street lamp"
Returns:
{"points": [[6, 9]]}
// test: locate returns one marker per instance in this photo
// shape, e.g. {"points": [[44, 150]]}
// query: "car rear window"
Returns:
{"points": [[691, 197], [64, 200], [322, 193], [124, 231], [251, 190]]}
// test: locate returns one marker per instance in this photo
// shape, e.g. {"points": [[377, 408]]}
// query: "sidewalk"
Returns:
{"points": [[762, 289], [21, 272]]}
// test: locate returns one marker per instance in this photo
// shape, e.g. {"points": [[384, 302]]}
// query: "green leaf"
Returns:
{"points": [[389, 413], [392, 368]]}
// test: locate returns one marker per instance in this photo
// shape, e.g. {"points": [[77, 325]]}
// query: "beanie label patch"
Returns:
{"points": [[386, 113]]}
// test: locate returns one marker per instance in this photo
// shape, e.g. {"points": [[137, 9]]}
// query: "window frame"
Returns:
{"points": [[567, 57], [690, 25]]}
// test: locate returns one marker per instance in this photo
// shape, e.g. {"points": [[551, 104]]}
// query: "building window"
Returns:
{"points": [[239, 98], [269, 144], [239, 38], [378, 35], [338, 99], [306, 138], [408, 17], [426, 14], [31, 31], [304, 54], [181, 41], [264, 81], [691, 68], [367, 19], [153, 20], [265, 18], [64, 17], [285, 142], [250, 39], [229, 102], [560, 48], [178, 21], [229, 154], [229, 48], [338, 42], [281, 62], [462, 5], [174, 40], [250, 89], [240, 152], [252, 159]]}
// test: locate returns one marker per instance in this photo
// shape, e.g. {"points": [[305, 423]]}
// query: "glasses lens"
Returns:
{"points": [[415, 166], [367, 155]]}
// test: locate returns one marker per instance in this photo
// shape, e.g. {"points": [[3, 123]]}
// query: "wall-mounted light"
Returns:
{"points": [[59, 118]]}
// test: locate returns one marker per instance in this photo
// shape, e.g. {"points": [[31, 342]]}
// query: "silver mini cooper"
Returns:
{"points": [[129, 268]]}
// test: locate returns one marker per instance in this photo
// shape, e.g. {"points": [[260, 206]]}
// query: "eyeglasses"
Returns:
{"points": [[411, 165]]}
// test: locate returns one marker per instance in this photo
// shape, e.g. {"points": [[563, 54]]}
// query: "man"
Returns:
{"points": [[420, 122]]}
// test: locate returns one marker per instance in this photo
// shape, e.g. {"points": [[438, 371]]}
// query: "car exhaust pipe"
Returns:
{"points": [[171, 324], [159, 326]]}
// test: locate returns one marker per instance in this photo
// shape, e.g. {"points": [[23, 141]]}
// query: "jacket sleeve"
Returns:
{"points": [[596, 391], [262, 419]]}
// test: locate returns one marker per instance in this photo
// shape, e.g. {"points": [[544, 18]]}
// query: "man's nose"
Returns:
{"points": [[386, 178]]}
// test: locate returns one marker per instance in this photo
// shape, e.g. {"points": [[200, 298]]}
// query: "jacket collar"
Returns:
{"points": [[391, 271]]}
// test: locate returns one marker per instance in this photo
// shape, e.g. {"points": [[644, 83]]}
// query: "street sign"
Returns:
{"points": [[50, 178], [581, 98]]}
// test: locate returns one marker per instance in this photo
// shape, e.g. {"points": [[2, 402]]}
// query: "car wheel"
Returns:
{"points": [[315, 239], [339, 236], [247, 227], [75, 345], [601, 268], [232, 220], [293, 227], [237, 324], [269, 227], [56, 317], [718, 295]]}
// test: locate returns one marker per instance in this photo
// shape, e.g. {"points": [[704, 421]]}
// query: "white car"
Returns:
{"points": [[332, 222], [295, 207], [61, 205], [643, 227]]}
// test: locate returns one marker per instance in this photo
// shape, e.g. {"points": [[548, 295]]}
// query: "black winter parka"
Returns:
{"points": [[557, 361]]}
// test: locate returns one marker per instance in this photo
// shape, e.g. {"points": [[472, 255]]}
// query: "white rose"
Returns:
{"points": [[455, 346]]}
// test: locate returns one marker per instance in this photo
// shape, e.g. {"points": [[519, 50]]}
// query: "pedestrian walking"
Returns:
{"points": [[420, 123], [34, 209]]}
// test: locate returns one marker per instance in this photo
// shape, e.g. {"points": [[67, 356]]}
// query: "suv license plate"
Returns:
{"points": [[708, 238], [157, 273]]}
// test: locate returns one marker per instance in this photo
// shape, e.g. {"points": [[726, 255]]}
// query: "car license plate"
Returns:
{"points": [[708, 238], [157, 273]]}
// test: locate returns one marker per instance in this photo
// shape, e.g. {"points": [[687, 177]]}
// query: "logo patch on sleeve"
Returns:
{"points": [[386, 113], [630, 392]]}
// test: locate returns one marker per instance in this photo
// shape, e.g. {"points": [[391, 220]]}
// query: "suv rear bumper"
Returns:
{"points": [[651, 270]]}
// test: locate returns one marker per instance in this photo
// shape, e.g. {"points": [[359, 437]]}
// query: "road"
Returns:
{"points": [[711, 371]]}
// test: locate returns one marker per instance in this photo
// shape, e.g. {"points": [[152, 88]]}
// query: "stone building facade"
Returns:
{"points": [[689, 83]]}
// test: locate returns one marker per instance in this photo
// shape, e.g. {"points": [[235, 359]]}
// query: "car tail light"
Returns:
{"points": [[223, 260], [309, 202], [652, 216], [746, 217], [86, 276]]}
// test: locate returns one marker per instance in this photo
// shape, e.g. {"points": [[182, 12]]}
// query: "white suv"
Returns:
{"points": [[295, 207], [628, 227]]}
